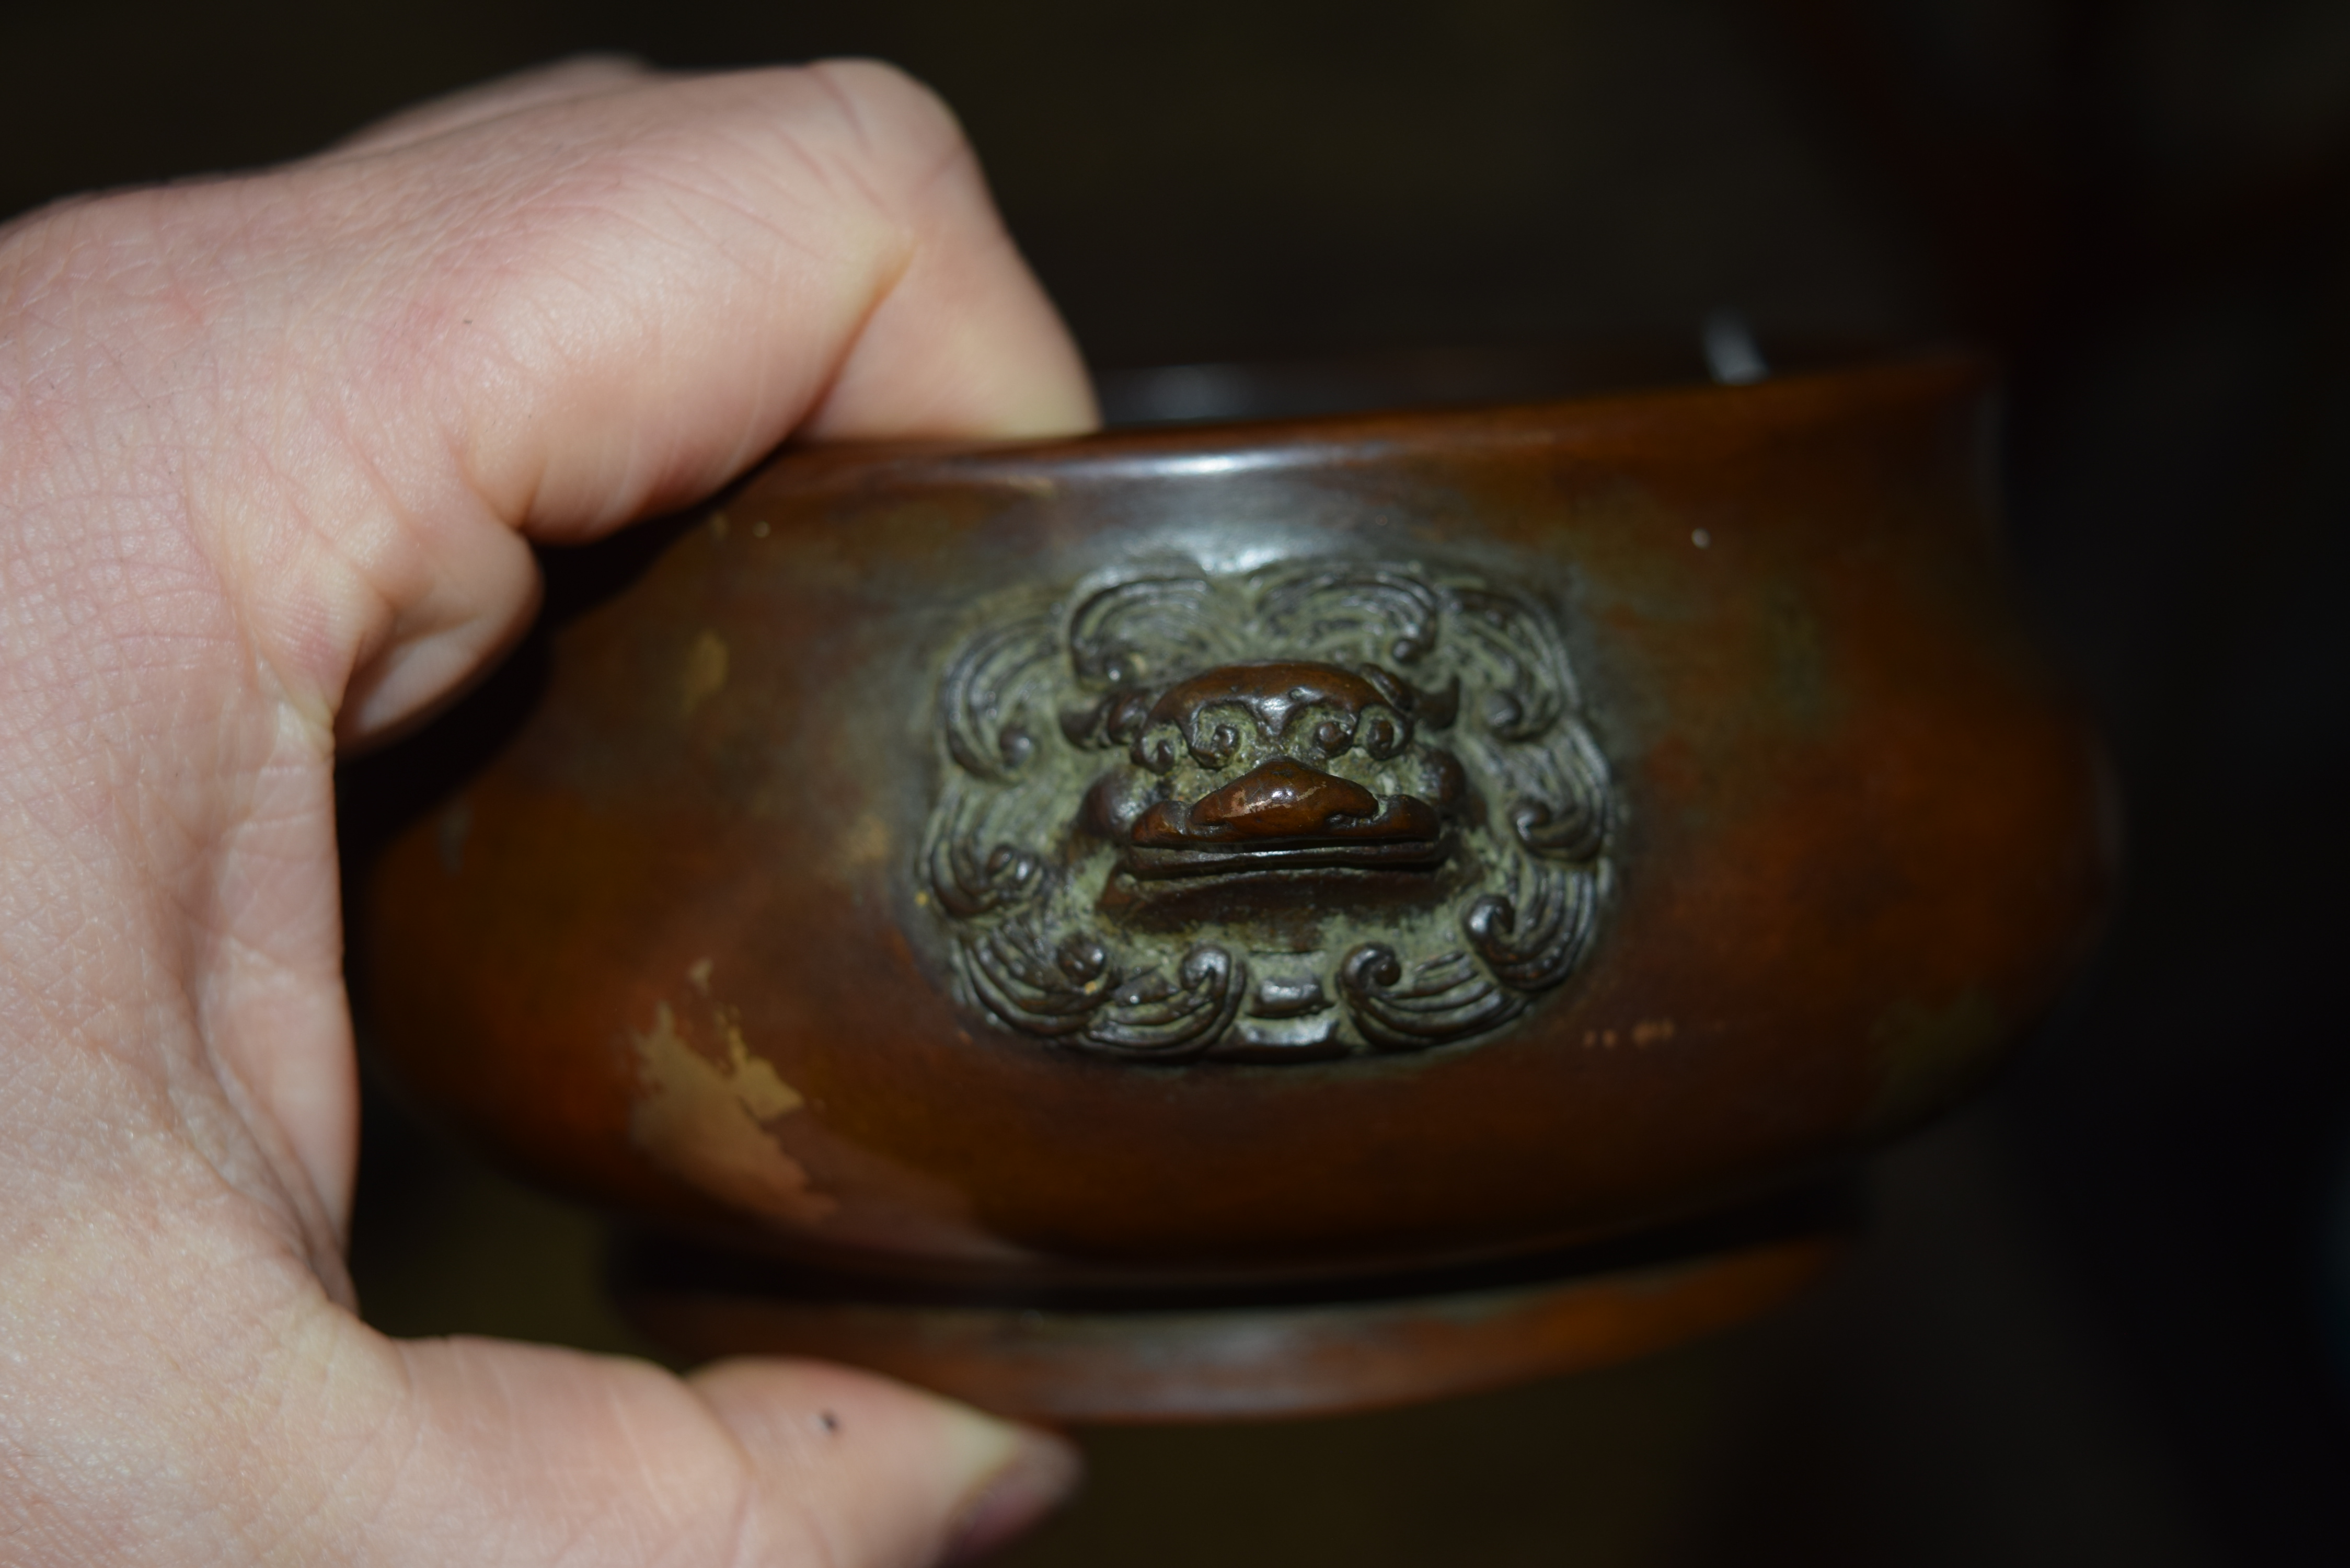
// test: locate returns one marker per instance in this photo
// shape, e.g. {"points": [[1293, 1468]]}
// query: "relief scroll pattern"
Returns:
{"points": [[1321, 809]]}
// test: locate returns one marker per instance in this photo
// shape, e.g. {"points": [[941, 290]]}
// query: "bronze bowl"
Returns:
{"points": [[1265, 918]]}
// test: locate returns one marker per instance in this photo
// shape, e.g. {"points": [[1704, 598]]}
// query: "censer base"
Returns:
{"points": [[1087, 1365]]}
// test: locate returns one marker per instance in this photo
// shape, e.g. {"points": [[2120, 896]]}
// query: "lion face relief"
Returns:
{"points": [[1324, 808]]}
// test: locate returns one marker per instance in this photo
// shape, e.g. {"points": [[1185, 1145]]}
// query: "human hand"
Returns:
{"points": [[272, 449]]}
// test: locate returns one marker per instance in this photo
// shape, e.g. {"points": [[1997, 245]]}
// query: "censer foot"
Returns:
{"points": [[1091, 1363]]}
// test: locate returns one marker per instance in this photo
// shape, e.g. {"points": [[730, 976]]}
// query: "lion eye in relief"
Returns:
{"points": [[1156, 750], [1214, 746]]}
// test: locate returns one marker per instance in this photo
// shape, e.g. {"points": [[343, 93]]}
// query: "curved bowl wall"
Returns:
{"points": [[839, 898]]}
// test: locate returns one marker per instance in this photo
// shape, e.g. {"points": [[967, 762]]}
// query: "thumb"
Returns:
{"points": [[517, 1455]]}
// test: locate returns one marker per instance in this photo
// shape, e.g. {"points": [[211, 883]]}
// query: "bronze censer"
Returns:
{"points": [[1267, 917]]}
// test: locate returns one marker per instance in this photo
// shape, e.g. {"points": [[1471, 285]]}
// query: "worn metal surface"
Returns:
{"points": [[1202, 1364], [854, 896]]}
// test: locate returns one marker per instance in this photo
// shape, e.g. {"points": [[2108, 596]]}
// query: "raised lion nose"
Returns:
{"points": [[1283, 799]]}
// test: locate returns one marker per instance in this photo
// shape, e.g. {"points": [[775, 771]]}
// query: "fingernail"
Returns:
{"points": [[1041, 1475]]}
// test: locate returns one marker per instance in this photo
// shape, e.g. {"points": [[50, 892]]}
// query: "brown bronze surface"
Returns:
{"points": [[1201, 1365], [1283, 854]]}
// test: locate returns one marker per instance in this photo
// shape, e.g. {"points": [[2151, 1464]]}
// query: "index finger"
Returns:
{"points": [[541, 324]]}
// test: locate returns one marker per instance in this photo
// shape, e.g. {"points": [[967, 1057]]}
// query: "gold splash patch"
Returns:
{"points": [[867, 842], [709, 1122], [705, 671]]}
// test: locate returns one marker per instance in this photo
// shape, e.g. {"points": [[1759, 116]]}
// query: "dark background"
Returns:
{"points": [[2092, 1322]]}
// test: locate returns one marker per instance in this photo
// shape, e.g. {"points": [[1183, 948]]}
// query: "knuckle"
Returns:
{"points": [[113, 303], [71, 245], [890, 97], [903, 135]]}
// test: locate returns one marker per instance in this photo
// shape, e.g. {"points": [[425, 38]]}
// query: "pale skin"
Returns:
{"points": [[273, 449]]}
